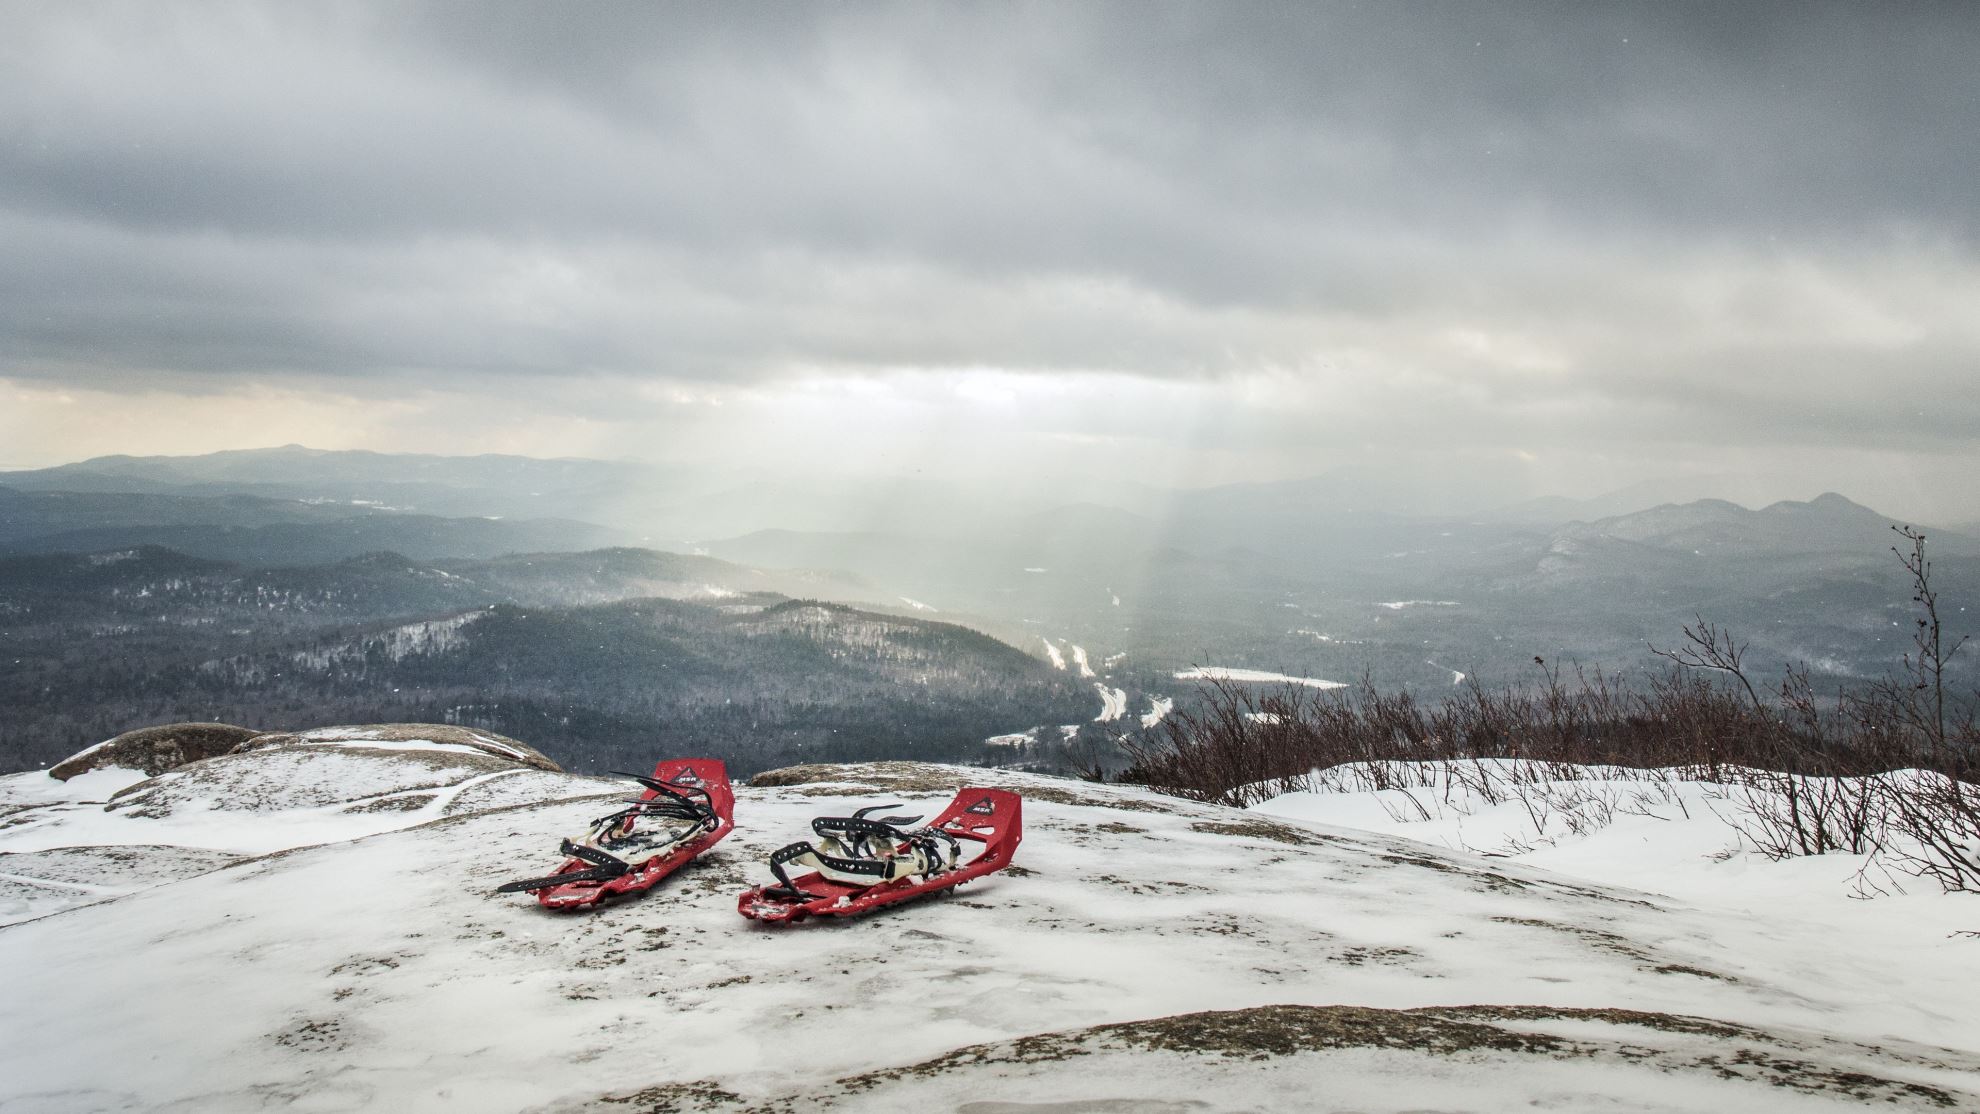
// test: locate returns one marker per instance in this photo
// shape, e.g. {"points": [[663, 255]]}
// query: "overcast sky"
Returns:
{"points": [[1562, 246]]}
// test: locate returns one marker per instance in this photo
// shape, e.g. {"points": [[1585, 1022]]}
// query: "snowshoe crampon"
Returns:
{"points": [[862, 862], [686, 809]]}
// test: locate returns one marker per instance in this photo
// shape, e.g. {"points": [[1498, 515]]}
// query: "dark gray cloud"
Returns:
{"points": [[1671, 220]]}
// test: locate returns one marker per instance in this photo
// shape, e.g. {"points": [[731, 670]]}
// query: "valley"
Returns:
{"points": [[1035, 638]]}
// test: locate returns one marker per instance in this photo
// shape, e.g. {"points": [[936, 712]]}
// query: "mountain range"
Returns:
{"points": [[164, 588]]}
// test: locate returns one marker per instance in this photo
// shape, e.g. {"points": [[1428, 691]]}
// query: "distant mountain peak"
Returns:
{"points": [[1827, 503], [1827, 523]]}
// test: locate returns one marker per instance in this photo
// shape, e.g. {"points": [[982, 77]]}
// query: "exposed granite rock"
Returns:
{"points": [[157, 749]]}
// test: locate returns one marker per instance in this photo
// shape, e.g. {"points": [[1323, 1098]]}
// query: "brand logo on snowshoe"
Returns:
{"points": [[982, 807], [687, 777]]}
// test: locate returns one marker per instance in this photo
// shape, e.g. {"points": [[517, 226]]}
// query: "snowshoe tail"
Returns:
{"points": [[842, 886]]}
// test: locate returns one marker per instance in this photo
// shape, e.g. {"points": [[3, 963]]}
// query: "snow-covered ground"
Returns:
{"points": [[373, 738], [1664, 830], [1253, 676], [1159, 708], [1144, 953], [1052, 651], [1849, 921]]}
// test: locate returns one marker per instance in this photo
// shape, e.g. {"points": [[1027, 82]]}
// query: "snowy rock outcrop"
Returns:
{"points": [[155, 750], [110, 830], [1144, 953]]}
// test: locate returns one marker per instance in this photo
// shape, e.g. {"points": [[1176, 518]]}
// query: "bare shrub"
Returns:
{"points": [[1240, 744], [1931, 802], [1888, 770]]}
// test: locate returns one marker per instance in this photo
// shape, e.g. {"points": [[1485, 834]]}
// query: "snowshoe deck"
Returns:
{"points": [[840, 886], [687, 808]]}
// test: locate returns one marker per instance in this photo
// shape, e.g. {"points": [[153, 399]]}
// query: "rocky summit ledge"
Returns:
{"points": [[343, 948]]}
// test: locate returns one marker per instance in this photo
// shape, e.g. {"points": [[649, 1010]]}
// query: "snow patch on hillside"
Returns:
{"points": [[1113, 703], [1254, 676], [1080, 663], [433, 636], [1052, 652], [1457, 676]]}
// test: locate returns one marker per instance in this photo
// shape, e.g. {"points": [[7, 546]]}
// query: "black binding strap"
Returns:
{"points": [[784, 855], [676, 801], [529, 885], [841, 827], [600, 859], [872, 868], [853, 831]]}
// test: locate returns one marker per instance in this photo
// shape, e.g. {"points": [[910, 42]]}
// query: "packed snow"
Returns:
{"points": [[1849, 922], [1159, 708], [1145, 953], [1052, 652], [1254, 676]]}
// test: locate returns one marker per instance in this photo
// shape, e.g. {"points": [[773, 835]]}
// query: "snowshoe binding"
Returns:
{"points": [[861, 863], [686, 809]]}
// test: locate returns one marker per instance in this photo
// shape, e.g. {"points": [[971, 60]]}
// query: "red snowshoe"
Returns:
{"points": [[687, 808], [863, 863]]}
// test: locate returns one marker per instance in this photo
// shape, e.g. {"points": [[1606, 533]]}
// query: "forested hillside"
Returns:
{"points": [[585, 655]]}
